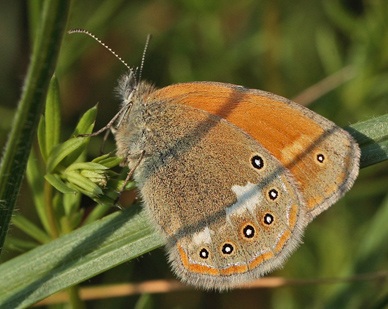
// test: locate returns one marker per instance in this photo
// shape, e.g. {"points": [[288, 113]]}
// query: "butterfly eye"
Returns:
{"points": [[227, 248], [257, 162], [204, 254], [273, 194], [268, 219], [249, 231], [320, 158]]}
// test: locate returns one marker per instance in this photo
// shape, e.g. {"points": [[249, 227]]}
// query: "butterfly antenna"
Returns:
{"points": [[101, 42], [123, 109], [143, 57]]}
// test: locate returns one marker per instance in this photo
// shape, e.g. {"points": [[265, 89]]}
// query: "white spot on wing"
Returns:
{"points": [[203, 237], [248, 197]]}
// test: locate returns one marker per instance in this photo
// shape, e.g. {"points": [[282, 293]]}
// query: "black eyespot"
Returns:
{"points": [[257, 162], [204, 254], [273, 194], [268, 219], [249, 231], [227, 249], [320, 158]]}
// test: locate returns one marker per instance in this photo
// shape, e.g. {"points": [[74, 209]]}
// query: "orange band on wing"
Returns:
{"points": [[234, 270], [184, 258], [202, 269], [286, 235], [260, 259], [293, 215]]}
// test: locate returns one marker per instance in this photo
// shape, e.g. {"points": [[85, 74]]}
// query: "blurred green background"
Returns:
{"points": [[278, 46]]}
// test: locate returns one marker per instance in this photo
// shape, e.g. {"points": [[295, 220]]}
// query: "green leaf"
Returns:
{"points": [[76, 257], [30, 228], [58, 184], [85, 126], [70, 150], [12, 243], [85, 185], [372, 136], [52, 115], [36, 183], [108, 161], [42, 138], [86, 123], [86, 166], [72, 147], [76, 219], [71, 203]]}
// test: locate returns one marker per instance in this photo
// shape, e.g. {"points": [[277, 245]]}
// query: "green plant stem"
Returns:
{"points": [[30, 107], [48, 199], [75, 300]]}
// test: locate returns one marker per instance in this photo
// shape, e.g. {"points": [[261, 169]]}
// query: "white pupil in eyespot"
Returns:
{"points": [[227, 249], [204, 254], [268, 219], [257, 162]]}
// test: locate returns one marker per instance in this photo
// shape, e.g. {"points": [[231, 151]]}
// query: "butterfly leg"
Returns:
{"points": [[129, 175], [110, 123], [108, 128]]}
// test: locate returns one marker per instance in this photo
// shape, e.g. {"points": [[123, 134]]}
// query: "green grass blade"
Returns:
{"points": [[372, 136], [75, 257]]}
